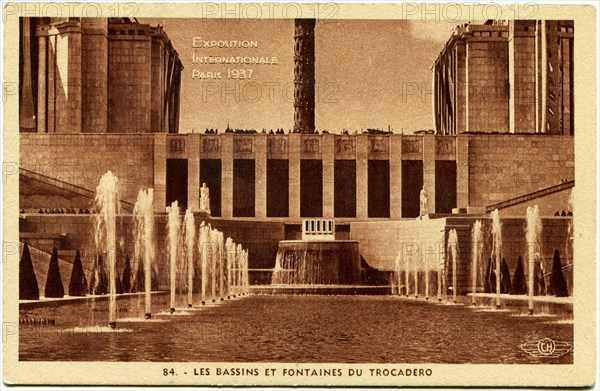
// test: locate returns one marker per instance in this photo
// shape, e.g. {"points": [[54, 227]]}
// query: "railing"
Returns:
{"points": [[531, 196]]}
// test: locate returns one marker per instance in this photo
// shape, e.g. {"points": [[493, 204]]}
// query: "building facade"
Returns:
{"points": [[97, 75], [506, 77]]}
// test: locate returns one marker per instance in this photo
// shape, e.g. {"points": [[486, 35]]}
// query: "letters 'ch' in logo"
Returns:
{"points": [[546, 347]]}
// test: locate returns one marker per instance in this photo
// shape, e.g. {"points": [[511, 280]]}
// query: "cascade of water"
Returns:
{"points": [[221, 267], [214, 246], [144, 240], [107, 204], [533, 231], [190, 235], [476, 252], [416, 276], [173, 226], [238, 269], [426, 275], [453, 250], [397, 276], [202, 250], [497, 250], [406, 275], [229, 257]]}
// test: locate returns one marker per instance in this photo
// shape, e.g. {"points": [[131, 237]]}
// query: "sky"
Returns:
{"points": [[368, 73]]}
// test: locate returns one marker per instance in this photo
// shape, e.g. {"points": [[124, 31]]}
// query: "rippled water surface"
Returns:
{"points": [[368, 329]]}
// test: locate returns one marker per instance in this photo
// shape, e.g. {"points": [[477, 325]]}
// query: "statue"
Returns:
{"points": [[204, 198], [423, 202]]}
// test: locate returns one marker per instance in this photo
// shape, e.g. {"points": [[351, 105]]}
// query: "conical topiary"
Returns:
{"points": [[54, 285], [119, 287], [139, 277], [78, 283], [558, 284], [504, 277], [490, 279], [539, 285], [28, 285], [126, 279], [154, 281], [99, 280], [519, 285]]}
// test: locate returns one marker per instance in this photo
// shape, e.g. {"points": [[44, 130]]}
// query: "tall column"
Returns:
{"points": [[42, 97], [511, 76], [260, 166], [462, 171], [362, 177], [227, 175], [26, 112], [395, 176], [328, 157], [51, 107], [429, 170], [294, 161], [192, 142], [304, 76], [160, 173]]}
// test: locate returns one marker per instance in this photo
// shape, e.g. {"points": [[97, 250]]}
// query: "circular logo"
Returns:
{"points": [[546, 346]]}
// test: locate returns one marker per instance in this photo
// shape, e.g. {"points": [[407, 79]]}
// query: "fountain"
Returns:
{"points": [[453, 250], [144, 241], [173, 226], [476, 253], [202, 250], [497, 250], [533, 232], [190, 235], [214, 260], [107, 203]]}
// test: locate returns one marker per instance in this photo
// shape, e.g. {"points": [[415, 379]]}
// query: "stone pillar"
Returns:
{"points": [[294, 161], [304, 76], [42, 97], [429, 170], [192, 148], [94, 62], [160, 173], [260, 166], [462, 171], [26, 111], [227, 175], [328, 157], [362, 177], [395, 176], [51, 105]]}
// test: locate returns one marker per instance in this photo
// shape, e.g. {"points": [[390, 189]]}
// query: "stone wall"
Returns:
{"points": [[502, 167], [83, 159]]}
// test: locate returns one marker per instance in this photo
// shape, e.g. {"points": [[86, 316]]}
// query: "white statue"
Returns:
{"points": [[423, 202], [204, 197]]}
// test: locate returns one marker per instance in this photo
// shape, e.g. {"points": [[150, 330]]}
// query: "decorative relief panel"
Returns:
{"points": [[277, 145], [378, 146], [242, 145], [177, 145], [412, 146], [345, 146], [444, 146], [311, 145], [210, 145]]}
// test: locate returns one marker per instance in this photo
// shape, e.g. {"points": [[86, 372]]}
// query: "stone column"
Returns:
{"points": [[395, 176], [51, 107], [328, 157], [160, 172], [362, 176], [42, 97], [429, 170], [294, 161], [26, 107], [260, 166], [462, 171], [226, 175], [192, 148]]}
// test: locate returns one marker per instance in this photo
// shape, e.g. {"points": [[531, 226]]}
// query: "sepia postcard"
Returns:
{"points": [[299, 194]]}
